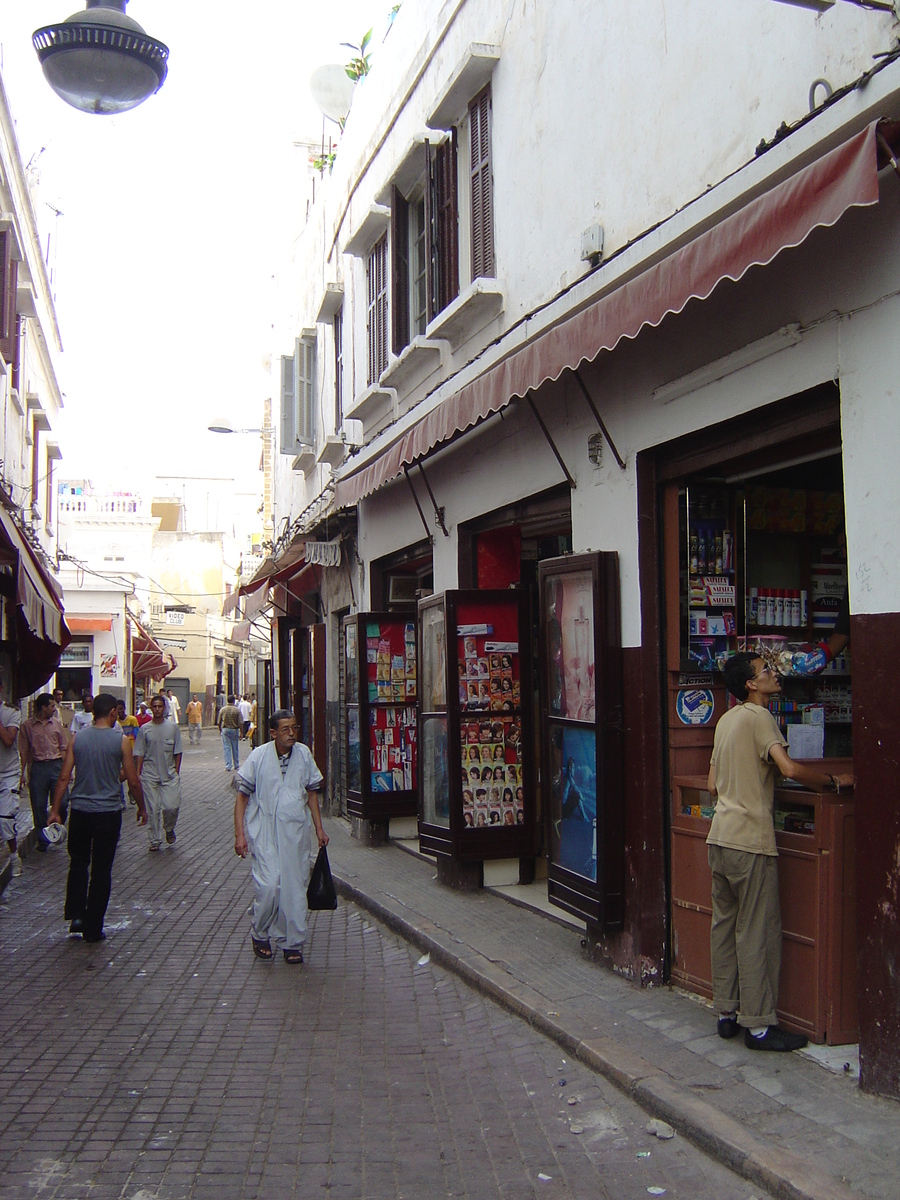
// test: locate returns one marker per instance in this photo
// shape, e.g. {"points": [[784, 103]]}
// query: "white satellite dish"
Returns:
{"points": [[332, 90]]}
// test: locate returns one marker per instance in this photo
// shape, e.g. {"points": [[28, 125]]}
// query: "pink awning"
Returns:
{"points": [[783, 217]]}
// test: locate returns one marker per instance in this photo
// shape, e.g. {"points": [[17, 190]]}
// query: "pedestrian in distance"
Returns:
{"points": [[229, 723], [749, 752], [275, 814], [157, 756], [81, 720], [42, 747], [174, 707], [63, 711], [10, 776], [99, 756], [245, 710], [194, 714], [143, 713]]}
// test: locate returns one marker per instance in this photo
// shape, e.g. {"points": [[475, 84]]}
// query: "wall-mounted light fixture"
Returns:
{"points": [[101, 61]]}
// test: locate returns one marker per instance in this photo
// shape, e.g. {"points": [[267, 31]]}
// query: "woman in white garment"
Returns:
{"points": [[276, 811]]}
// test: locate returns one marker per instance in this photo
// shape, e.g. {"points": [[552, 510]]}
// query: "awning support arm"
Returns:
{"points": [[438, 512], [428, 532], [546, 433], [883, 143], [599, 419]]}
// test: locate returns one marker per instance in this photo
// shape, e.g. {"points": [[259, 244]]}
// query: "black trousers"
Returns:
{"points": [[93, 838]]}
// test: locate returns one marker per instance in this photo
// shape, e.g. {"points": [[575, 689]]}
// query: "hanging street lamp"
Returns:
{"points": [[101, 61]]}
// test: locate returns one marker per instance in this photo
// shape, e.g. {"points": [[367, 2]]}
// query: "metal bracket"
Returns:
{"points": [[428, 532], [599, 419], [438, 510], [546, 432]]}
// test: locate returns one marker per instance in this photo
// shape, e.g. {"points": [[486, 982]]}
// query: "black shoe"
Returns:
{"points": [[41, 844], [775, 1038], [94, 937], [77, 926], [170, 837], [727, 1027]]}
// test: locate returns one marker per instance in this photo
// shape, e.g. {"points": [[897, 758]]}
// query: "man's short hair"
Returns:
{"points": [[231, 699], [86, 694], [104, 704], [737, 672], [280, 714], [43, 701], [157, 700]]}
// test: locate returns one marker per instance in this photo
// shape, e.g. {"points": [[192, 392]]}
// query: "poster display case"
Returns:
{"points": [[477, 792], [381, 698], [582, 735]]}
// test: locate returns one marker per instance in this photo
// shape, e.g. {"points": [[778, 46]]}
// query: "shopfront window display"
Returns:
{"points": [[573, 769]]}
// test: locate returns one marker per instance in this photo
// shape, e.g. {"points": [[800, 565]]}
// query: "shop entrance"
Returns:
{"points": [[754, 557]]}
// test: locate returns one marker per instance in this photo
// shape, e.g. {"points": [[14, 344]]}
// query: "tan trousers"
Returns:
{"points": [[745, 939]]}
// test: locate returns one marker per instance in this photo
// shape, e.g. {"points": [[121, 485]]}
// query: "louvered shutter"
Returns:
{"points": [[338, 370], [481, 185], [9, 274], [288, 404], [306, 391], [399, 271], [376, 310], [447, 223]]}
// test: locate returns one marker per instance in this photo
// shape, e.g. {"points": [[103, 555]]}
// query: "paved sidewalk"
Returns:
{"points": [[783, 1121]]}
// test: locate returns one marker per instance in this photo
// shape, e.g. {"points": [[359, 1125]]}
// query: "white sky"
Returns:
{"points": [[176, 216]]}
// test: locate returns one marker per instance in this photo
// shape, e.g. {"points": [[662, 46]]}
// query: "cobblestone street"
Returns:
{"points": [[167, 1063]]}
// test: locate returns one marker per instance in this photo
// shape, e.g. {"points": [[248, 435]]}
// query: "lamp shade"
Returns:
{"points": [[101, 61]]}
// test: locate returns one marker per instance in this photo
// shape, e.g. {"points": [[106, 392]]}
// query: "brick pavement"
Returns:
{"points": [[168, 1064], [782, 1119]]}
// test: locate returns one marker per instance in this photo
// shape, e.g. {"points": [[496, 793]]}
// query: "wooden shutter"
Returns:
{"points": [[338, 370], [9, 274], [288, 404], [399, 271], [305, 432], [447, 221], [376, 310], [481, 185]]}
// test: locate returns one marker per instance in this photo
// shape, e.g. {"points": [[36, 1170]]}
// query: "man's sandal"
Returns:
{"points": [[293, 956], [262, 949]]}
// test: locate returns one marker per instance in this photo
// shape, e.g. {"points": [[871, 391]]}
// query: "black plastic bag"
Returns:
{"points": [[321, 893]]}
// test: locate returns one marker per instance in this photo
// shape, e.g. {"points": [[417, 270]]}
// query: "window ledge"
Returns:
{"points": [[305, 461], [374, 397], [418, 360], [410, 167], [16, 402], [25, 301], [472, 309], [41, 420], [469, 77], [333, 450], [372, 226], [332, 303]]}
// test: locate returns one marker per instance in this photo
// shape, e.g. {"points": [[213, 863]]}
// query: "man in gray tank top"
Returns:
{"points": [[100, 757]]}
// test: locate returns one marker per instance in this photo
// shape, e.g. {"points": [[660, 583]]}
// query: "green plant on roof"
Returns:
{"points": [[361, 63]]}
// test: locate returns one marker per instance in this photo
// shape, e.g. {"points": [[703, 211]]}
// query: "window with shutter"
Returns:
{"points": [[377, 310], [399, 271], [9, 274], [288, 404], [481, 185], [306, 391], [442, 226], [338, 370]]}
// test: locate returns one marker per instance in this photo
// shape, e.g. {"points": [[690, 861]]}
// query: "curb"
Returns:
{"points": [[786, 1176]]}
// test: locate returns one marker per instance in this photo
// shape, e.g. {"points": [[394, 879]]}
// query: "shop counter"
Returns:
{"points": [[815, 835]]}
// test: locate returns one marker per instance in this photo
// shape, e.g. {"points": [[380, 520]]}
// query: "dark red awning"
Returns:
{"points": [[148, 659], [782, 217]]}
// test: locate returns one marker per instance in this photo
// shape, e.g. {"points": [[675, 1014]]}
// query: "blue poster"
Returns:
{"points": [[574, 800], [694, 706]]}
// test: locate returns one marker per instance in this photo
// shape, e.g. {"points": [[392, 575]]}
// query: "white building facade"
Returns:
{"points": [[599, 307]]}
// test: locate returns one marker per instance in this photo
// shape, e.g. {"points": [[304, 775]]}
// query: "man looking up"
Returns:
{"points": [[277, 794], [99, 756], [42, 747], [745, 939], [157, 756]]}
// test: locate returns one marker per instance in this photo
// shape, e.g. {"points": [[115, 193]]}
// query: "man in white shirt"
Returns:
{"points": [[82, 719]]}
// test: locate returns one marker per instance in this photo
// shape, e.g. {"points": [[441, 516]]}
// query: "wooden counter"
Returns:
{"points": [[816, 870]]}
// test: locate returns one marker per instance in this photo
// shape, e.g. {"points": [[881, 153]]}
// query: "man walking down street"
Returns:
{"points": [[97, 756], [157, 756], [174, 707], [63, 711], [81, 720], [229, 722], [194, 714], [276, 809], [42, 748], [10, 773], [749, 752], [245, 710]]}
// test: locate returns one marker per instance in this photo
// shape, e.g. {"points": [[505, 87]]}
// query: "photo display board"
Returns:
{"points": [[487, 787]]}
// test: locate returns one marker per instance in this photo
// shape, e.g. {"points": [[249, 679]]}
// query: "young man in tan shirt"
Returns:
{"points": [[749, 753]]}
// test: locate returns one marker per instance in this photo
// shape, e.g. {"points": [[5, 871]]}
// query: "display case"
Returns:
{"points": [[711, 567], [381, 689], [476, 785], [582, 735]]}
